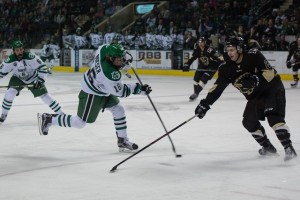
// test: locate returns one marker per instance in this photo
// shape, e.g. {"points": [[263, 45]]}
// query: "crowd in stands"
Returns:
{"points": [[260, 22]]}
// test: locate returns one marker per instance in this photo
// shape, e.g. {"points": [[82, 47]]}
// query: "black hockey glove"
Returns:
{"points": [[185, 68], [288, 64], [250, 82], [38, 83], [146, 89], [202, 108]]}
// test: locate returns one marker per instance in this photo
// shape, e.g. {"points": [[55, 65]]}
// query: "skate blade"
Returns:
{"points": [[39, 118], [124, 150], [268, 155], [289, 158]]}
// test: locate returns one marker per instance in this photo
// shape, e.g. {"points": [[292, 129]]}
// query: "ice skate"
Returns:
{"points": [[44, 122], [193, 97], [295, 84], [2, 118], [268, 150], [126, 146], [290, 153]]}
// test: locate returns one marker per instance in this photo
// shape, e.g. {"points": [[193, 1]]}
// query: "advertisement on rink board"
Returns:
{"points": [[277, 59], [152, 59]]}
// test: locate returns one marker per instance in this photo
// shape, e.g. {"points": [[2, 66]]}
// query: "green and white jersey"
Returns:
{"points": [[103, 79], [28, 69]]}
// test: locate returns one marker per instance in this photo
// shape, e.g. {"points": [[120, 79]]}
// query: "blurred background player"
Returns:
{"points": [[27, 68], [293, 60], [95, 38], [50, 52], [101, 88], [208, 63]]}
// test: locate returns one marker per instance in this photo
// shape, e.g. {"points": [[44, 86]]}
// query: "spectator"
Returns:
{"points": [[190, 40], [282, 45], [151, 20]]}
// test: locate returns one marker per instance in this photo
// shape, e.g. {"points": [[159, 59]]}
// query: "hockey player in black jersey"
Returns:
{"points": [[258, 81], [294, 52], [208, 63]]}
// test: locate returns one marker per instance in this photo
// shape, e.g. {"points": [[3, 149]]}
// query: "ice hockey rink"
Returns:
{"points": [[219, 158]]}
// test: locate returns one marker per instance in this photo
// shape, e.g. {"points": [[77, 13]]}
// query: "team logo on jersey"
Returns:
{"points": [[115, 75], [22, 73], [238, 84], [204, 60]]}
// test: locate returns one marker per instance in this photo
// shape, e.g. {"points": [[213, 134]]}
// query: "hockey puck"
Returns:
{"points": [[178, 156]]}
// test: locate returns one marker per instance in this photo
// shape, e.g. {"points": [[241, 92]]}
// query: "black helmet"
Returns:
{"points": [[201, 39], [237, 42]]}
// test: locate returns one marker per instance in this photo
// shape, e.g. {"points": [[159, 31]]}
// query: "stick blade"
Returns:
{"points": [[113, 169]]}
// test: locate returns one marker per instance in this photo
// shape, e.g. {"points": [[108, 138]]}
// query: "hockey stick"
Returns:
{"points": [[295, 63], [16, 86], [138, 60], [173, 147], [206, 70], [153, 142]]}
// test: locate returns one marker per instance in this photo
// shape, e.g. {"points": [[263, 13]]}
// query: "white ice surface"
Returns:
{"points": [[219, 162]]}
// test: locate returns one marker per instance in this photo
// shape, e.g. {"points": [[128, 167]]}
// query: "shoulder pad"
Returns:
{"points": [[195, 46], [209, 50], [10, 59], [253, 51], [29, 55]]}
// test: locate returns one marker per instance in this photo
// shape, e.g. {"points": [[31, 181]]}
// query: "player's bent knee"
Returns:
{"points": [[251, 125], [77, 122], [275, 119], [117, 111], [10, 94]]}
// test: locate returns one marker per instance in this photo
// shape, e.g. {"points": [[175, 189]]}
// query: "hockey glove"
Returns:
{"points": [[202, 108], [185, 68], [38, 83], [146, 89], [137, 89], [289, 64], [250, 82]]}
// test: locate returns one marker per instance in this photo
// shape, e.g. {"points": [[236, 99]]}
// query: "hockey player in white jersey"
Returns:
{"points": [[101, 88], [79, 41], [27, 69], [50, 52], [109, 36], [95, 38]]}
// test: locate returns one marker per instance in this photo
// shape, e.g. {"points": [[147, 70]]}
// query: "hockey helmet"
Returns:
{"points": [[237, 42], [115, 51], [17, 44], [201, 39]]}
